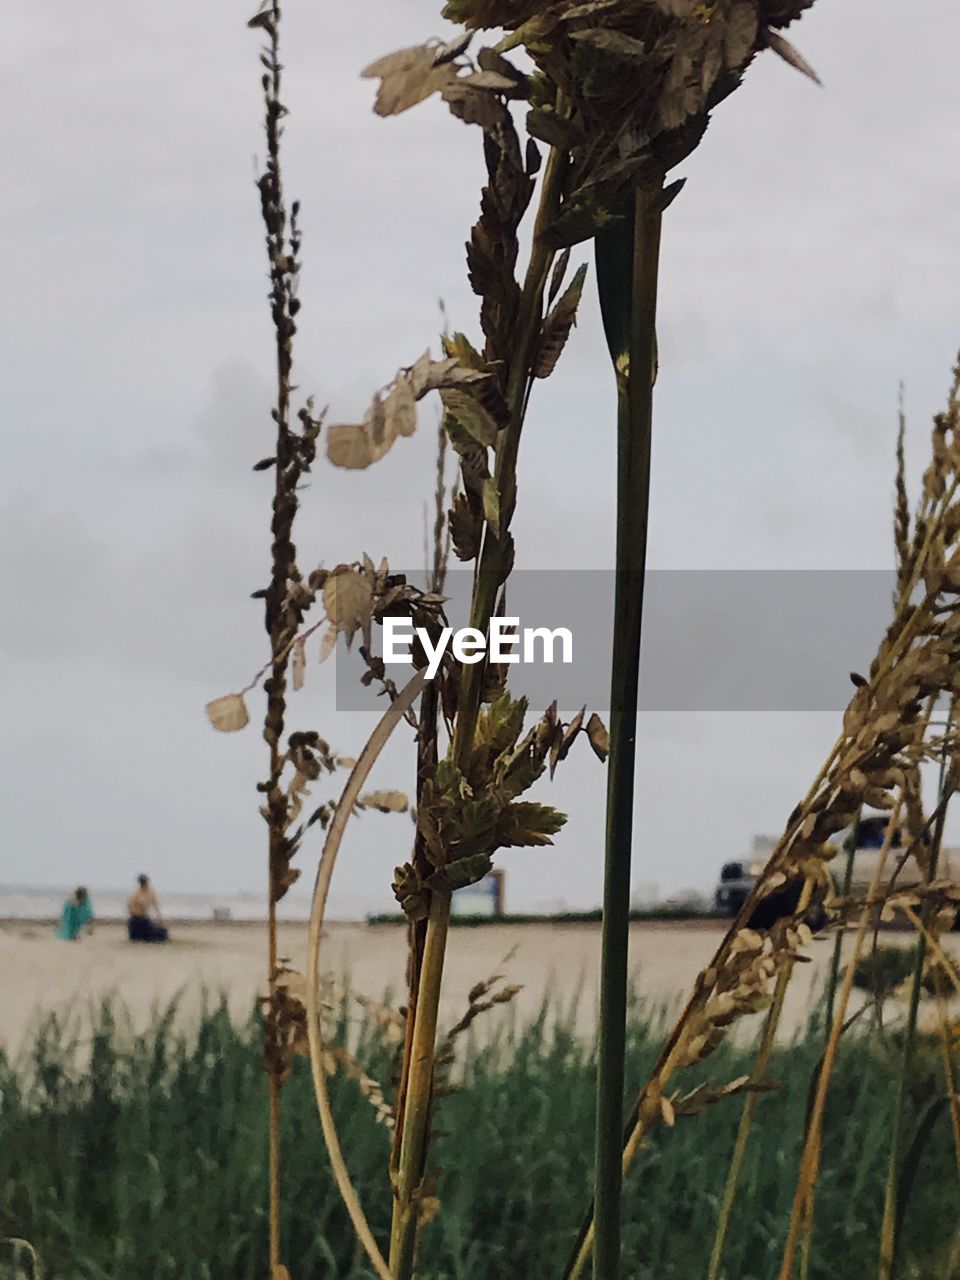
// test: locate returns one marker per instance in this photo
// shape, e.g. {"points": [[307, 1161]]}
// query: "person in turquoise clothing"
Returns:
{"points": [[77, 915]]}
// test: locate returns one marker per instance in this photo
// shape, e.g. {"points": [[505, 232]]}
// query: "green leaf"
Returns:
{"points": [[463, 871], [491, 504], [470, 415], [526, 823], [612, 41], [462, 349], [515, 771], [450, 782], [585, 214], [471, 825], [500, 724], [614, 258]]}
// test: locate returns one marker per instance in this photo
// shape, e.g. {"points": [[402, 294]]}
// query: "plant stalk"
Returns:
{"points": [[634, 430], [491, 570], [888, 1229], [760, 1065], [801, 1217], [273, 1097], [279, 625]]}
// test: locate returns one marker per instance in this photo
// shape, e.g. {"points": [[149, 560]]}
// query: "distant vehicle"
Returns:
{"points": [[736, 881], [738, 878]]}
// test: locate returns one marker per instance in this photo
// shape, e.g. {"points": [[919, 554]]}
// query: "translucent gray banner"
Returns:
{"points": [[727, 640]]}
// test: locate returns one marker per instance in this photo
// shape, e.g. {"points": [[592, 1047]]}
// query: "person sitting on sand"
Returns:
{"points": [[77, 915], [145, 924]]}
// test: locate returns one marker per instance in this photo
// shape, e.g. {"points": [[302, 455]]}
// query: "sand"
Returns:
{"points": [[42, 974]]}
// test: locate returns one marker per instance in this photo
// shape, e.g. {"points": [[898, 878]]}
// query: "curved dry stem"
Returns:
{"points": [[801, 1218], [351, 792], [665, 1065], [758, 1075]]}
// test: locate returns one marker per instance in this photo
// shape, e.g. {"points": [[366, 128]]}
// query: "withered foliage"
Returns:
{"points": [[886, 737], [623, 88]]}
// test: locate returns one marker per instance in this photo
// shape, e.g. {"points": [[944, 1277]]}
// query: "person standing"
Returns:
{"points": [[144, 923], [76, 916]]}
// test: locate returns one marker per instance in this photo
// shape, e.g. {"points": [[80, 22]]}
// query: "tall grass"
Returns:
{"points": [[144, 1155]]}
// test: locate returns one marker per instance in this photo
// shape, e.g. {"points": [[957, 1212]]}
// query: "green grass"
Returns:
{"points": [[144, 1156], [558, 917]]}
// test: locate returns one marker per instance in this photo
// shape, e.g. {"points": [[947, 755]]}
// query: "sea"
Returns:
{"points": [[26, 902]]}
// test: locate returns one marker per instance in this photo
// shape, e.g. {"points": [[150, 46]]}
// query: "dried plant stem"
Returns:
{"points": [[283, 554], [416, 1116], [801, 1217], [905, 627], [273, 1114], [351, 792], [491, 570], [757, 1076], [888, 1229], [841, 927], [427, 756], [949, 1071], [935, 947], [634, 428]]}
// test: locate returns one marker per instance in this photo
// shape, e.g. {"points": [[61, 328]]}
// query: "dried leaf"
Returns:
{"points": [[400, 410], [385, 801], [347, 598], [407, 77], [465, 528], [453, 48], [557, 277], [557, 326], [420, 374], [782, 46], [599, 736], [298, 663], [855, 716], [229, 713], [328, 643], [491, 80], [613, 41], [349, 447], [470, 415]]}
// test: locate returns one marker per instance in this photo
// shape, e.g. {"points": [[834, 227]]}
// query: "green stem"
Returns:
{"points": [[634, 427], [888, 1230], [492, 567], [403, 1236]]}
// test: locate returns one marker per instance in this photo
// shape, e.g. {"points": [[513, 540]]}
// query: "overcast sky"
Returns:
{"points": [[809, 265]]}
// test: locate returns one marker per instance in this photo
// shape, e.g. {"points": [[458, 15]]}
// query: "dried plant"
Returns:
{"points": [[352, 597], [467, 801]]}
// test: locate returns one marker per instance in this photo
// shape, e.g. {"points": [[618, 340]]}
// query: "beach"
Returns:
{"points": [[43, 975]]}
